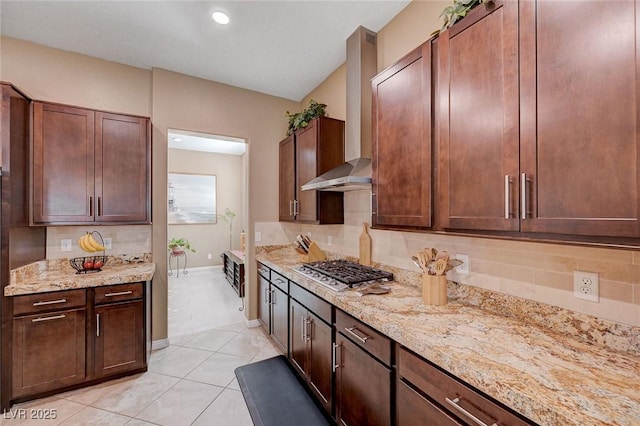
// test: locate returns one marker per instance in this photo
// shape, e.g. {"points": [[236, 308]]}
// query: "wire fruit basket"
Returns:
{"points": [[88, 264]]}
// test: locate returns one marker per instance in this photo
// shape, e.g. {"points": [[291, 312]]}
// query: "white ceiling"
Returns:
{"points": [[192, 141], [282, 48]]}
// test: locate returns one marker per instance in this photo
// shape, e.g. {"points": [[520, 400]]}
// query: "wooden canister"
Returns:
{"points": [[434, 289]]}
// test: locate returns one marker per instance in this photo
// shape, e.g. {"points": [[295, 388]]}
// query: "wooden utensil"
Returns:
{"points": [[453, 263], [365, 245], [423, 260], [440, 266]]}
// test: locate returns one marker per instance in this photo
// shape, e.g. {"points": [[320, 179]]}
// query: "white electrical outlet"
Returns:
{"points": [[586, 285], [329, 240], [107, 243], [258, 236], [65, 245], [209, 256], [464, 268]]}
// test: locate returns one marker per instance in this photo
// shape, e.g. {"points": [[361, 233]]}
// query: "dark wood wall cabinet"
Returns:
{"points": [[306, 154], [89, 166], [359, 375], [531, 108], [402, 142], [72, 338]]}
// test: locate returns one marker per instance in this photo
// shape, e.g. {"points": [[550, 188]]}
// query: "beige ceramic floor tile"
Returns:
{"points": [[158, 354], [45, 411], [181, 340], [132, 397], [181, 404], [179, 362], [237, 327], [96, 417], [268, 351], [234, 385], [228, 409], [91, 394], [247, 345], [218, 369], [138, 422], [211, 340]]}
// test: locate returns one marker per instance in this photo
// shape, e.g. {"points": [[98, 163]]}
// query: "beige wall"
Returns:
{"points": [[211, 238], [188, 103], [53, 75], [536, 271]]}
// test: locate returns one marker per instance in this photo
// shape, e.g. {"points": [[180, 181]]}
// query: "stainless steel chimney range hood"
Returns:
{"points": [[355, 174]]}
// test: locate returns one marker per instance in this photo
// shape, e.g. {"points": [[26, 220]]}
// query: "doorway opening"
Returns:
{"points": [[206, 215]]}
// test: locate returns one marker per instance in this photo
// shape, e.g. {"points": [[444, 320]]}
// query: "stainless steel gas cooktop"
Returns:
{"points": [[339, 275]]}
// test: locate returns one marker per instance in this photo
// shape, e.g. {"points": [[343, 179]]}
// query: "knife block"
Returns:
{"points": [[315, 254], [434, 289]]}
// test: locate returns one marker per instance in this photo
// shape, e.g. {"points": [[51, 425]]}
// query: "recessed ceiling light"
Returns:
{"points": [[220, 18], [177, 139]]}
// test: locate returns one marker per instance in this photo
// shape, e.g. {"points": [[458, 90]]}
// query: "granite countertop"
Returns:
{"points": [[56, 275], [554, 366]]}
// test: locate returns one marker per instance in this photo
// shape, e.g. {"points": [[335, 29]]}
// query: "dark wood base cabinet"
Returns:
{"points": [[67, 339], [363, 386], [48, 351]]}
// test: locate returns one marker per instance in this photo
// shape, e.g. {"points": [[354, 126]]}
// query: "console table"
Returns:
{"points": [[233, 267]]}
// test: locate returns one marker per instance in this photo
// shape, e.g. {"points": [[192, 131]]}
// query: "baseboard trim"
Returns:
{"points": [[159, 344], [252, 323]]}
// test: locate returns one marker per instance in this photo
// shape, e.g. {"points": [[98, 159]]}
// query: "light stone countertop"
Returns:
{"points": [[553, 366], [56, 275]]}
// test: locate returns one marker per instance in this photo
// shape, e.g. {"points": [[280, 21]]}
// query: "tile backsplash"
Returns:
{"points": [[537, 271], [125, 239]]}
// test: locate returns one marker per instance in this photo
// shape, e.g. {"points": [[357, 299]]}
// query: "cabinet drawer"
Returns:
{"points": [[452, 394], [52, 301], [264, 271], [366, 337], [413, 409], [280, 281], [319, 307], [117, 293]]}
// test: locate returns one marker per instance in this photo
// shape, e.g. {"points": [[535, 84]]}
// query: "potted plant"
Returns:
{"points": [[179, 245], [300, 120], [457, 11]]}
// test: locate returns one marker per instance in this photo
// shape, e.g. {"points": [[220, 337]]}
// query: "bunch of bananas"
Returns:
{"points": [[89, 244]]}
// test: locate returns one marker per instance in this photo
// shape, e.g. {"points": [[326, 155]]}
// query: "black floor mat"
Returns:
{"points": [[275, 396]]}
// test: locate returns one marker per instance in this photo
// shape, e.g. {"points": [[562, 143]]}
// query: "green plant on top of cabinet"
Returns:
{"points": [[402, 144], [89, 166], [306, 154]]}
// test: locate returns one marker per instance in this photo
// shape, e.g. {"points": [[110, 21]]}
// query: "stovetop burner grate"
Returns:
{"points": [[349, 272]]}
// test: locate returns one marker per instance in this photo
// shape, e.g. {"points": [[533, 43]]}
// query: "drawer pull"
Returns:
{"points": [[50, 302], [335, 363], [48, 318], [352, 331], [303, 328], [118, 293], [473, 418], [523, 195], [507, 197], [280, 280], [263, 272], [98, 325]]}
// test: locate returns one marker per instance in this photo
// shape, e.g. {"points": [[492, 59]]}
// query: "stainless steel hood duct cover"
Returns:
{"points": [[361, 68], [350, 176]]}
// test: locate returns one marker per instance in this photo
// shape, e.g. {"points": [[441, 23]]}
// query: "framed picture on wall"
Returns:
{"points": [[192, 198]]}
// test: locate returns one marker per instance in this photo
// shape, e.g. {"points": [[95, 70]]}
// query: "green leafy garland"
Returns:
{"points": [[457, 11], [300, 120]]}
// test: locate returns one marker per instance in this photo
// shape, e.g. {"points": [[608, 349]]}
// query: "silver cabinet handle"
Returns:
{"points": [[290, 207], [50, 302], [307, 326], [272, 299], [473, 418], [90, 205], [98, 325], [352, 331], [99, 207], [523, 195], [295, 207], [55, 317], [280, 280], [507, 197], [335, 365], [303, 328], [118, 293]]}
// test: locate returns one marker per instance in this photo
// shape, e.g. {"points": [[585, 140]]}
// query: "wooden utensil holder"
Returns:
{"points": [[434, 289], [315, 254]]}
